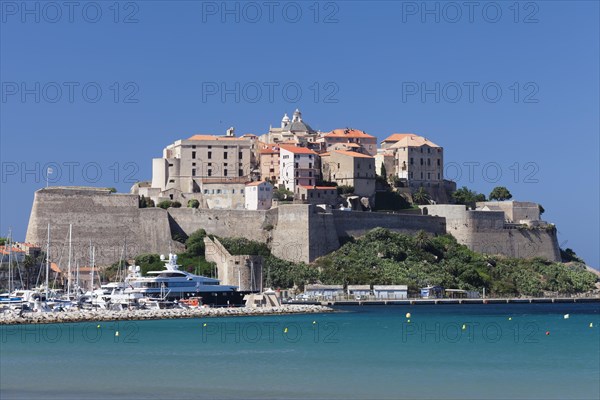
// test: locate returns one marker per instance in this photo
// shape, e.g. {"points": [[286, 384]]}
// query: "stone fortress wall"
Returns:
{"points": [[295, 232], [488, 232]]}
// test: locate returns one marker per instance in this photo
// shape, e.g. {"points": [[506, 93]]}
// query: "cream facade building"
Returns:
{"points": [[417, 160], [188, 165], [350, 168], [268, 157], [350, 139]]}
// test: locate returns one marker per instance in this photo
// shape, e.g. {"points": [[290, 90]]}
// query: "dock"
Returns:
{"points": [[416, 302]]}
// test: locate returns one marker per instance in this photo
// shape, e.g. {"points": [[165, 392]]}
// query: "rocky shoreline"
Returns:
{"points": [[14, 318]]}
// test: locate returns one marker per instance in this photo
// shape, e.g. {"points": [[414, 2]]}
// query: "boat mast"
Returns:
{"points": [[69, 263], [10, 278], [93, 262], [47, 261]]}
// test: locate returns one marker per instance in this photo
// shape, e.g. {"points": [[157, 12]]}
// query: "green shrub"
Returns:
{"points": [[193, 203]]}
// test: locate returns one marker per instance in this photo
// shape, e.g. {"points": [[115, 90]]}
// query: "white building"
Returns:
{"points": [[259, 195], [297, 166], [390, 291]]}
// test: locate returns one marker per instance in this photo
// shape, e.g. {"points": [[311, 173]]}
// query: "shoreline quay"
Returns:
{"points": [[13, 317]]}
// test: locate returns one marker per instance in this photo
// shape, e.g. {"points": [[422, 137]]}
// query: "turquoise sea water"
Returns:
{"points": [[445, 352]]}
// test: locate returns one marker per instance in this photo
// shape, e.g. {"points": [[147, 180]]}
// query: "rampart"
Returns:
{"points": [[118, 228], [488, 232]]}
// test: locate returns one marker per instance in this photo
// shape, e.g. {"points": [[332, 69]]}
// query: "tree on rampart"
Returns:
{"points": [[193, 203], [500, 193], [467, 197]]}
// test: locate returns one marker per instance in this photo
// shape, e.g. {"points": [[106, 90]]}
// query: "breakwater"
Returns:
{"points": [[11, 317]]}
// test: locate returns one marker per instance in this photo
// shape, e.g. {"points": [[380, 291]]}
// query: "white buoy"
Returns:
{"points": [[407, 315], [566, 316]]}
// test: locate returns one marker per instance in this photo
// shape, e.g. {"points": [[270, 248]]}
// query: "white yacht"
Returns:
{"points": [[172, 283]]}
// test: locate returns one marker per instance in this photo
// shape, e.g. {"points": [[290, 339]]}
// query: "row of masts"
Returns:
{"points": [[11, 274]]}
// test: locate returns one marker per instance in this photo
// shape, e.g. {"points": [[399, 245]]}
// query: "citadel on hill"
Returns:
{"points": [[299, 190]]}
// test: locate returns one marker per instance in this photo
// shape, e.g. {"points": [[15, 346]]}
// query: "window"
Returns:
{"points": [[429, 150], [421, 175], [428, 175], [296, 165], [369, 166], [242, 191], [240, 172], [240, 155], [428, 161], [210, 164], [296, 181], [193, 154], [438, 175], [171, 180], [210, 147], [194, 172], [319, 194], [232, 191], [272, 170], [310, 182], [170, 165], [209, 172], [310, 156], [421, 149], [224, 164], [357, 165], [439, 162], [310, 174], [193, 164], [309, 165], [311, 194], [205, 191], [225, 155], [218, 191], [194, 146], [225, 172], [225, 147], [412, 161], [421, 161], [209, 154]]}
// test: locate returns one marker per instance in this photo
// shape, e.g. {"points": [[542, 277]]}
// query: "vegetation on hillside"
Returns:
{"points": [[388, 258]]}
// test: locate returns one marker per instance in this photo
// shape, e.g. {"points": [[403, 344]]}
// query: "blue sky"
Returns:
{"points": [[511, 92]]}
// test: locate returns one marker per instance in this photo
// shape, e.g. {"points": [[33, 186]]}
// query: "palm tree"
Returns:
{"points": [[421, 196], [422, 240]]}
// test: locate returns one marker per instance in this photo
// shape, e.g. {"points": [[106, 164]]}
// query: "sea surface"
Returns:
{"points": [[515, 351]]}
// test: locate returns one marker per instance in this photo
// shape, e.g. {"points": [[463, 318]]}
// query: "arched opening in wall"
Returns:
{"points": [[424, 211], [171, 196]]}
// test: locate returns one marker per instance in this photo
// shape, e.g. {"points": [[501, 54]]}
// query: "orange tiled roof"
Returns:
{"points": [[352, 154], [394, 137], [349, 133], [54, 267], [6, 250], [413, 141], [297, 150]]}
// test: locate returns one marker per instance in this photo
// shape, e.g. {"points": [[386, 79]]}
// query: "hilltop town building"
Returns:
{"points": [[350, 139], [292, 131], [269, 162], [417, 160], [350, 168], [297, 166], [259, 195]]}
